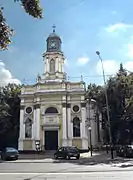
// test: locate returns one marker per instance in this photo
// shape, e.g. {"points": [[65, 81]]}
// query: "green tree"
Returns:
{"points": [[120, 99], [32, 7], [9, 120]]}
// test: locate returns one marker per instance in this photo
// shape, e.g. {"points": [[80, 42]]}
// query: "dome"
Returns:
{"points": [[53, 35], [53, 42]]}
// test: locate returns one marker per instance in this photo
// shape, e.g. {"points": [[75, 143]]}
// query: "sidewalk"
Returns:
{"points": [[97, 158], [44, 158]]}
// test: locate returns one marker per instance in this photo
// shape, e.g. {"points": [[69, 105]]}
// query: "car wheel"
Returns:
{"points": [[55, 156], [3, 158], [77, 157], [16, 158], [67, 157]]}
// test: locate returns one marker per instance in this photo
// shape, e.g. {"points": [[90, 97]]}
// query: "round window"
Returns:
{"points": [[75, 108], [28, 110]]}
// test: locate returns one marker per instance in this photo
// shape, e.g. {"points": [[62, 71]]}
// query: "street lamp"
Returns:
{"points": [[107, 104], [89, 129]]}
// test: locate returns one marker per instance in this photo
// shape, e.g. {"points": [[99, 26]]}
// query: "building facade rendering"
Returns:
{"points": [[53, 111]]}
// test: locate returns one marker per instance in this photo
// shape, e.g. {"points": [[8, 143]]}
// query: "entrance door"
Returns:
{"points": [[51, 140]]}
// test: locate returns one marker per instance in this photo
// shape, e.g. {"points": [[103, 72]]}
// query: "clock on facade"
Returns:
{"points": [[52, 44]]}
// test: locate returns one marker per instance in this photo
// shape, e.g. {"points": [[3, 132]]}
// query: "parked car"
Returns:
{"points": [[129, 151], [125, 151], [9, 153], [120, 151], [67, 153]]}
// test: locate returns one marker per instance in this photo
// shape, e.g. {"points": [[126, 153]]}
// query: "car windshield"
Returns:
{"points": [[71, 149], [10, 149], [130, 146]]}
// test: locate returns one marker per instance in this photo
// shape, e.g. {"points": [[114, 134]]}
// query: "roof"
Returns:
{"points": [[53, 35]]}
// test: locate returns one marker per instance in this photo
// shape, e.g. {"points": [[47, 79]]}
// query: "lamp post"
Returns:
{"points": [[107, 104], [89, 129]]}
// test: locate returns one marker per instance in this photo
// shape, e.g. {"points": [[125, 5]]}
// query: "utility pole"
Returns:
{"points": [[107, 105]]}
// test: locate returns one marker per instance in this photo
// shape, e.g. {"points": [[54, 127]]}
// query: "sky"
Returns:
{"points": [[84, 26]]}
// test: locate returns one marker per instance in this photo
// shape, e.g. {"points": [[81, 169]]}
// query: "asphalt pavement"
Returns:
{"points": [[126, 175], [98, 167], [65, 166]]}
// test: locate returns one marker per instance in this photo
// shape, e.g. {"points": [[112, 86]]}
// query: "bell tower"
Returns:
{"points": [[54, 58]]}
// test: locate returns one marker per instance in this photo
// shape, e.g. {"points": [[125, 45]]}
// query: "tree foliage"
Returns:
{"points": [[5, 32], [9, 115], [32, 7], [120, 98]]}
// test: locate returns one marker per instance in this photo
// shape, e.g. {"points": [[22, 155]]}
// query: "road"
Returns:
{"points": [[59, 167], [62, 166], [126, 175], [49, 169]]}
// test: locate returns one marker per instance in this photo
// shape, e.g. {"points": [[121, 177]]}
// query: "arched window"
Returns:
{"points": [[28, 128], [52, 66], [51, 110], [76, 127]]}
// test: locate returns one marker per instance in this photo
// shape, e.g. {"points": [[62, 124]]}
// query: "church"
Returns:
{"points": [[53, 111]]}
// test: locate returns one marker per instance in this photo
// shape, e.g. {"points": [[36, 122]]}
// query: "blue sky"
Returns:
{"points": [[84, 26]]}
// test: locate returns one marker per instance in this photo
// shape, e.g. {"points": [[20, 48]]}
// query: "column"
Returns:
{"points": [[59, 65], [22, 129], [34, 129], [63, 65], [56, 65], [83, 130], [37, 122], [47, 64], [64, 125], [69, 125]]}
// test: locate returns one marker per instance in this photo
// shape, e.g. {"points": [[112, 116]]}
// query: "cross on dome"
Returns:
{"points": [[53, 28]]}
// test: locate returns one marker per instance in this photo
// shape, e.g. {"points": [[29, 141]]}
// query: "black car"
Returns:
{"points": [[120, 151], [129, 151], [67, 153], [125, 151], [9, 153]]}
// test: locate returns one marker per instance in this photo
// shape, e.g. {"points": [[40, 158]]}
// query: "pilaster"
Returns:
{"points": [[37, 123], [22, 129], [69, 123], [34, 130], [64, 125]]}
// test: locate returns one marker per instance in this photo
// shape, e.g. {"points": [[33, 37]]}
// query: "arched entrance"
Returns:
{"points": [[51, 132]]}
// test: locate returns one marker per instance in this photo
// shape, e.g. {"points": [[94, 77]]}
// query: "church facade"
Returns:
{"points": [[53, 111]]}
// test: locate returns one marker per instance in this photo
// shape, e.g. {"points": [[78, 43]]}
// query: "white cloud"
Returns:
{"points": [[128, 66], [118, 27], [110, 67], [6, 76], [82, 61], [130, 50]]}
